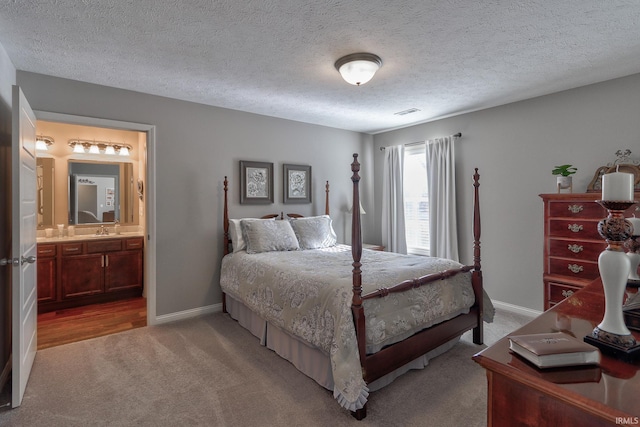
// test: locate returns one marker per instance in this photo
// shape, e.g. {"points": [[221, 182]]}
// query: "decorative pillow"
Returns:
{"points": [[314, 232], [268, 236], [235, 233]]}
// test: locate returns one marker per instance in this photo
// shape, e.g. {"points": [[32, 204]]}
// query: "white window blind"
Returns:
{"points": [[416, 200]]}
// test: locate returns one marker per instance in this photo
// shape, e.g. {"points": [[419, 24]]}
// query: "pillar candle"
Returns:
{"points": [[617, 186], [635, 222]]}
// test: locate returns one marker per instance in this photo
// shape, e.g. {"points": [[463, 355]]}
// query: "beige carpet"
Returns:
{"points": [[209, 371]]}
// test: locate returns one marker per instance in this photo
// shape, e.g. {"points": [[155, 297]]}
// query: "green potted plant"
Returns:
{"points": [[564, 172]]}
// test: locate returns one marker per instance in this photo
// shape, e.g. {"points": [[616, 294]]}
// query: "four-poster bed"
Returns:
{"points": [[354, 332]]}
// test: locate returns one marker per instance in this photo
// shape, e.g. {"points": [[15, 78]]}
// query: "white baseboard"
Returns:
{"points": [[187, 314], [516, 309]]}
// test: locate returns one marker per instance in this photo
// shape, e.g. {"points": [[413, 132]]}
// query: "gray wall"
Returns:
{"points": [[7, 79], [196, 146], [515, 147]]}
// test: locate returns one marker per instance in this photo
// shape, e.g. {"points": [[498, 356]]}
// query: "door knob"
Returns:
{"points": [[30, 259], [9, 261]]}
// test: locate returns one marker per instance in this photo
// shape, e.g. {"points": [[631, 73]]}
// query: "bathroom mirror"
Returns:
{"points": [[45, 175], [100, 192]]}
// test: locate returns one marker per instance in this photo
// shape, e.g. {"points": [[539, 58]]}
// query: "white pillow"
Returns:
{"points": [[314, 232], [235, 233], [268, 236]]}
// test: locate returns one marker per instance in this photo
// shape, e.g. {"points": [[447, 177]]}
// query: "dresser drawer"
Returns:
{"points": [[576, 249], [71, 248], [46, 250], [560, 291], [576, 269], [577, 209], [574, 229], [136, 243]]}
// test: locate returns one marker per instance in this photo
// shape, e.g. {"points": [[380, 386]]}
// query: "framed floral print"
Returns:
{"points": [[256, 183], [297, 184]]}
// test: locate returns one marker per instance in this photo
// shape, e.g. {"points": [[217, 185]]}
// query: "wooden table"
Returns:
{"points": [[521, 395]]}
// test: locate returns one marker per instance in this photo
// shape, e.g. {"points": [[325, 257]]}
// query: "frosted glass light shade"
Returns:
{"points": [[109, 150], [94, 149], [78, 148], [358, 68], [124, 151], [41, 145]]}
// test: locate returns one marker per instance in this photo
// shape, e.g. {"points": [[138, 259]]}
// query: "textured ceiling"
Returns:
{"points": [[276, 57]]}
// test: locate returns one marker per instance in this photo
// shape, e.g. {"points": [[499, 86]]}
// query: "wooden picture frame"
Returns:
{"points": [[256, 183], [297, 183]]}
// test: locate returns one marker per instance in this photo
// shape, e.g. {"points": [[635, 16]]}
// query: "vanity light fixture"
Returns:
{"points": [[43, 142], [358, 68], [100, 147]]}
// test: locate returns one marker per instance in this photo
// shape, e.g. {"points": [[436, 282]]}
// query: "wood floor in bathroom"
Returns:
{"points": [[81, 323]]}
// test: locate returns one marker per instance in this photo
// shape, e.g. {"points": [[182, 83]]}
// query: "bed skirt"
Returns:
{"points": [[310, 360]]}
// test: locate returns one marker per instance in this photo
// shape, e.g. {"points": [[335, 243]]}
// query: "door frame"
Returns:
{"points": [[149, 191]]}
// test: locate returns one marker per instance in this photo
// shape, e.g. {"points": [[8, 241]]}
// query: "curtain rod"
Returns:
{"points": [[458, 135]]}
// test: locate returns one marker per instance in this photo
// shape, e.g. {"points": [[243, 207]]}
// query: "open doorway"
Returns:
{"points": [[81, 307]]}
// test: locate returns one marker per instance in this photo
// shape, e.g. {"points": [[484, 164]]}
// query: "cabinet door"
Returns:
{"points": [[123, 270], [82, 275], [46, 279]]}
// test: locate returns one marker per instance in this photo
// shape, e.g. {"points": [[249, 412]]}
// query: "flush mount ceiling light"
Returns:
{"points": [[358, 68]]}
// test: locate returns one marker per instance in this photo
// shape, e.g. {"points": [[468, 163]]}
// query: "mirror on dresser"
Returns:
{"points": [[100, 192]]}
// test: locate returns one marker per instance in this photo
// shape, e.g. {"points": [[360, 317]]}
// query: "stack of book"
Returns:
{"points": [[554, 349]]}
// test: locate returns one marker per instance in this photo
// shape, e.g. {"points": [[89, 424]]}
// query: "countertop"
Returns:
{"points": [[93, 236]]}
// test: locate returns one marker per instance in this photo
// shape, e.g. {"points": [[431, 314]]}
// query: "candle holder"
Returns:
{"points": [[633, 253], [612, 336]]}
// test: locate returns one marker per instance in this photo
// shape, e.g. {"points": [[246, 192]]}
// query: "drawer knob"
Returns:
{"points": [[576, 208], [576, 248], [576, 228], [575, 268], [566, 293]]}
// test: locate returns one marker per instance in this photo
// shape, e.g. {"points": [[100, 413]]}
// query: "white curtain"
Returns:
{"points": [[393, 228], [441, 177]]}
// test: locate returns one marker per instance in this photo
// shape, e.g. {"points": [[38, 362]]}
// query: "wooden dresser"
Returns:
{"points": [[521, 395], [571, 243]]}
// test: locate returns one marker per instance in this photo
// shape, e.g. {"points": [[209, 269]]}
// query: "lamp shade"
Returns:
{"points": [[358, 68], [362, 212], [41, 145]]}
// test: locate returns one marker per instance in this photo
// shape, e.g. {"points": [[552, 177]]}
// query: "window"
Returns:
{"points": [[416, 199]]}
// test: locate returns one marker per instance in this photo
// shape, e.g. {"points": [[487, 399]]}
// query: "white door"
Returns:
{"points": [[23, 247]]}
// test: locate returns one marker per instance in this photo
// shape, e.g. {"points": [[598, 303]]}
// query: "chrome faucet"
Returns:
{"points": [[102, 231]]}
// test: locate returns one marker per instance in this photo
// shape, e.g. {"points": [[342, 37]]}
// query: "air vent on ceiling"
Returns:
{"points": [[405, 112]]}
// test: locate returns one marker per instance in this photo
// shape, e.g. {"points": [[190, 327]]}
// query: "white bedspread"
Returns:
{"points": [[308, 293]]}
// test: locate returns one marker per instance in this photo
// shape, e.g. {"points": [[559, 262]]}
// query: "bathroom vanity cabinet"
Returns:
{"points": [[75, 273]]}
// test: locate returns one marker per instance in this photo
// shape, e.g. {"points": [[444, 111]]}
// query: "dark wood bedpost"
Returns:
{"points": [[356, 250], [225, 238], [326, 199], [476, 276], [225, 226]]}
